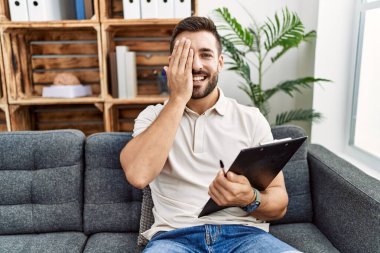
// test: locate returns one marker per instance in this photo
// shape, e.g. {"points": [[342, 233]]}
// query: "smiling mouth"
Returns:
{"points": [[198, 79]]}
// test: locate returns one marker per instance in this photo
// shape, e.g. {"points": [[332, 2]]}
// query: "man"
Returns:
{"points": [[177, 147]]}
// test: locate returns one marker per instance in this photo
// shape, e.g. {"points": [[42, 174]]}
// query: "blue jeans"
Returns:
{"points": [[217, 238]]}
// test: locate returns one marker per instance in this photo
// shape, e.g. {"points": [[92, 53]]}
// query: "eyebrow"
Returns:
{"points": [[205, 49]]}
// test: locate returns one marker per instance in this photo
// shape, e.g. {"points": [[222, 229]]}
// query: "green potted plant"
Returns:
{"points": [[266, 43]]}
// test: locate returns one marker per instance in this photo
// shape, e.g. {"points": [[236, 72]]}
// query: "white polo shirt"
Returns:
{"points": [[180, 191]]}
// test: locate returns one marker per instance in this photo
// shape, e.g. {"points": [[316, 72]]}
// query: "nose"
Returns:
{"points": [[197, 63]]}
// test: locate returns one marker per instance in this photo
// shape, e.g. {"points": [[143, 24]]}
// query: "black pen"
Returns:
{"points": [[222, 166]]}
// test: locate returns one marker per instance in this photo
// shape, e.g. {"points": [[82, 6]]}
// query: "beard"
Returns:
{"points": [[198, 93]]}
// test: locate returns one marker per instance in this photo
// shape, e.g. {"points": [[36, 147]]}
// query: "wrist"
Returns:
{"points": [[178, 101], [252, 199], [251, 207]]}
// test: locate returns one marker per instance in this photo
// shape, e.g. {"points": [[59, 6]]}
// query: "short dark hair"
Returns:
{"points": [[196, 24]]}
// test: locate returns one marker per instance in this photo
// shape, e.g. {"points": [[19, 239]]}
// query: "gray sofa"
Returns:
{"points": [[62, 192]]}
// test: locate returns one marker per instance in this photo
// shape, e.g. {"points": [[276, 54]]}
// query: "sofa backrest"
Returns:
{"points": [[296, 173], [111, 204], [41, 186]]}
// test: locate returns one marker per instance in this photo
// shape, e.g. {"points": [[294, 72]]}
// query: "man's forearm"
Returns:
{"points": [[273, 205], [144, 156]]}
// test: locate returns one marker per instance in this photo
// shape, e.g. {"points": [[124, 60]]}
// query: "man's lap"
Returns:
{"points": [[217, 238]]}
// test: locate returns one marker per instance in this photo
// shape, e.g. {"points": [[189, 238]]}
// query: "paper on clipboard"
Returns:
{"points": [[260, 165]]}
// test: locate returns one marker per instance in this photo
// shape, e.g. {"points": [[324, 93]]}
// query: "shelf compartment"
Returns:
{"points": [[113, 9], [151, 44], [34, 56], [121, 117], [5, 16], [85, 117]]}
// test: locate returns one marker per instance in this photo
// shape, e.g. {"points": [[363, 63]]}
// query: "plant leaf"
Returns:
{"points": [[237, 31], [308, 115], [286, 34], [291, 86]]}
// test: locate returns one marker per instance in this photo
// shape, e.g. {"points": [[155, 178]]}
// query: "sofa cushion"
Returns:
{"points": [[50, 242], [41, 181], [305, 237], [112, 243], [296, 173], [147, 218], [111, 204]]}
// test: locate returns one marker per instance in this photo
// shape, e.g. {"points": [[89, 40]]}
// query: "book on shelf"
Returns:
{"points": [[80, 9], [126, 72], [89, 8], [113, 85]]}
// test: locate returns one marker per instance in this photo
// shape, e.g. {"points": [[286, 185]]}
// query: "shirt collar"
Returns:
{"points": [[220, 105]]}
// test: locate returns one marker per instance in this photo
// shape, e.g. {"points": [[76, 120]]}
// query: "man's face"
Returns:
{"points": [[206, 63]]}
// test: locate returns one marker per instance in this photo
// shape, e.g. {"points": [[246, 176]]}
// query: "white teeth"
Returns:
{"points": [[198, 78]]}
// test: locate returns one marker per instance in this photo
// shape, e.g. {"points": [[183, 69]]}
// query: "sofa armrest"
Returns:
{"points": [[346, 202]]}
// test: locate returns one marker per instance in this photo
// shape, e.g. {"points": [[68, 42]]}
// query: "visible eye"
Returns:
{"points": [[206, 55]]}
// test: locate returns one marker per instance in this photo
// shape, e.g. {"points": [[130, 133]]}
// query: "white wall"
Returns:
{"points": [[296, 63], [335, 59]]}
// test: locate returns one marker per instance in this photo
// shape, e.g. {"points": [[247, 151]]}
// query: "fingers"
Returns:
{"points": [[189, 62], [236, 178], [184, 56], [171, 58], [232, 190], [179, 56]]}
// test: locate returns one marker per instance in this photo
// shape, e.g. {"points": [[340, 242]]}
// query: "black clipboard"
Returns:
{"points": [[260, 165]]}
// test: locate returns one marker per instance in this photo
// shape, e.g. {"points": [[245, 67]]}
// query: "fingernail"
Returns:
{"points": [[177, 41]]}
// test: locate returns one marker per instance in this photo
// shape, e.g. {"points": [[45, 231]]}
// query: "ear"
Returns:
{"points": [[220, 63]]}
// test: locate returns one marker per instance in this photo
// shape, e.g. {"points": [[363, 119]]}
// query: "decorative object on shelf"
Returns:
{"points": [[65, 79], [266, 44], [66, 86]]}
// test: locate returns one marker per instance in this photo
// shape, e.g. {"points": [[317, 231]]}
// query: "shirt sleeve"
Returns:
{"points": [[146, 118], [263, 132]]}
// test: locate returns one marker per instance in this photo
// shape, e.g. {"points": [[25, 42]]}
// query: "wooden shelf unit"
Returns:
{"points": [[35, 52]]}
